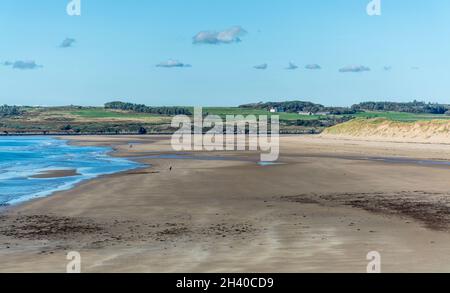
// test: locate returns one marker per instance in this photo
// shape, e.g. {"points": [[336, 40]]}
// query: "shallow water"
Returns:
{"points": [[188, 156], [23, 157], [266, 164]]}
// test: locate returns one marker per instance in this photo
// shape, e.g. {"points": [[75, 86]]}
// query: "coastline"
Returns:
{"points": [[62, 172], [299, 216]]}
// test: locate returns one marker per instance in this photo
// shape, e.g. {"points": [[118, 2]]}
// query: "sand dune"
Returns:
{"points": [[435, 131]]}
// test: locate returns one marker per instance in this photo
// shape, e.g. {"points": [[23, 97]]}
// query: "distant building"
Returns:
{"points": [[276, 110], [273, 110], [305, 113]]}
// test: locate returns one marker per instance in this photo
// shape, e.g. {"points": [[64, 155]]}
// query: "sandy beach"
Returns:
{"points": [[322, 209]]}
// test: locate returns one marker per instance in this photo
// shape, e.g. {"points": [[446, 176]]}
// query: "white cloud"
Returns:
{"points": [[261, 66], [67, 43], [22, 65], [356, 69], [231, 35], [313, 67], [172, 64]]}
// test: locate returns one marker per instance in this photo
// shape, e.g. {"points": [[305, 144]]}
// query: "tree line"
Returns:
{"points": [[301, 106], [411, 107], [140, 108], [6, 111]]}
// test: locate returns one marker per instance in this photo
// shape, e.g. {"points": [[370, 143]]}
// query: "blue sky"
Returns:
{"points": [[118, 45]]}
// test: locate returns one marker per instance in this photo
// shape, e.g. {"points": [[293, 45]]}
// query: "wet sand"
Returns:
{"points": [[323, 209], [56, 174]]}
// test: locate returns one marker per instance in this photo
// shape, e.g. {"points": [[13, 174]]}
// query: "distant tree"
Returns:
{"points": [[67, 127], [411, 107], [142, 130], [139, 108], [8, 111]]}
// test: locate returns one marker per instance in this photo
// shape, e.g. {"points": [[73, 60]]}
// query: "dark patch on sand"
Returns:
{"points": [[40, 227], [432, 209], [225, 230], [171, 232], [66, 233], [305, 199]]}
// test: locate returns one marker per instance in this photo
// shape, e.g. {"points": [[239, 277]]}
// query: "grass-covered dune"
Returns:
{"points": [[432, 131]]}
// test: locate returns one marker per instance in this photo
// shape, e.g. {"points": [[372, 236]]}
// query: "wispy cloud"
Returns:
{"points": [[67, 43], [415, 68], [313, 67], [291, 66], [23, 65], [231, 35], [173, 64], [261, 66], [356, 69], [387, 68]]}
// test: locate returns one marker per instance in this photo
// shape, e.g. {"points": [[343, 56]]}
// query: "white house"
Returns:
{"points": [[311, 113]]}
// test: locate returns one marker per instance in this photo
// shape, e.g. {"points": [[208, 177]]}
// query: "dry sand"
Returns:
{"points": [[323, 209]]}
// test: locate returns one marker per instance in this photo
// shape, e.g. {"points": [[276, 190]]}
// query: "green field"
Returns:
{"points": [[220, 111], [396, 116], [223, 111], [102, 113]]}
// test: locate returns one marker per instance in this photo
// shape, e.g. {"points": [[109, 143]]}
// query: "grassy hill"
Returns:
{"points": [[91, 120], [98, 120]]}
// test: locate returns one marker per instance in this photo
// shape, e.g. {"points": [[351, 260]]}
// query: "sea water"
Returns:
{"points": [[23, 157]]}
